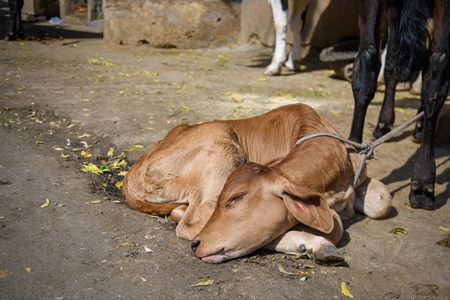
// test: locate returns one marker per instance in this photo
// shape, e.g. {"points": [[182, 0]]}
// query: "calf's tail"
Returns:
{"points": [[413, 33]]}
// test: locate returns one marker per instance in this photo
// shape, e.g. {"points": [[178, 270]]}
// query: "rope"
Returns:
{"points": [[365, 149]]}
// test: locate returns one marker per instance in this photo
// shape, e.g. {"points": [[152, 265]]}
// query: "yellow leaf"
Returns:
{"points": [[204, 282], [146, 73], [28, 270], [135, 148], [345, 290], [303, 278], [85, 144], [47, 203], [84, 135], [117, 164], [91, 168], [444, 228], [94, 61], [398, 231], [399, 110], [110, 152], [86, 154], [57, 148], [119, 184], [40, 143], [64, 155], [123, 173], [282, 270], [261, 79], [5, 274], [96, 201]]}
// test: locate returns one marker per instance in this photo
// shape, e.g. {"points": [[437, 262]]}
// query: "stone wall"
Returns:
{"points": [[206, 23], [172, 23]]}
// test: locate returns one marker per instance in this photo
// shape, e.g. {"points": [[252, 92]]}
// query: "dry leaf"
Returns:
{"points": [[110, 152], [119, 184], [5, 274], [148, 250], [146, 73], [444, 242], [47, 203], [28, 270], [282, 270], [85, 144], [345, 290], [96, 201], [399, 110], [135, 148], [398, 231], [204, 282], [91, 168], [86, 154], [444, 228]]}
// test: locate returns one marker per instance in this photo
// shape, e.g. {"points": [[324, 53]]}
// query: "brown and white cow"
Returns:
{"points": [[238, 185]]}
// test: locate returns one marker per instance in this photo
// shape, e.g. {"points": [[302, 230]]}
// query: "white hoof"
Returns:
{"points": [[272, 71]]}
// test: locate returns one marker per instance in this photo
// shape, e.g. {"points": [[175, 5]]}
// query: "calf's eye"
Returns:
{"points": [[235, 198]]}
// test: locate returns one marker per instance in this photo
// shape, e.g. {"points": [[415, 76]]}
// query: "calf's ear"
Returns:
{"points": [[308, 207]]}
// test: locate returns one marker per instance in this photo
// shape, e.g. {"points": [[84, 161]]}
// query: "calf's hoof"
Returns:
{"points": [[328, 255]]}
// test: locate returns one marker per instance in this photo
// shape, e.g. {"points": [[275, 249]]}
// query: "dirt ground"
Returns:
{"points": [[59, 96]]}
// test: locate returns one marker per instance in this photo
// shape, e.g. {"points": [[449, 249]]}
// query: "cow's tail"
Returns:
{"points": [[413, 32]]}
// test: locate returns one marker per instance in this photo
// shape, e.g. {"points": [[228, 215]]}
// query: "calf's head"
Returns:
{"points": [[256, 206]]}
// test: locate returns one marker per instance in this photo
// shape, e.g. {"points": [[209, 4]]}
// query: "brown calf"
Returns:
{"points": [[238, 185]]}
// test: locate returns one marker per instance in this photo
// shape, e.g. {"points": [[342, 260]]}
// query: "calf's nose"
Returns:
{"points": [[194, 245]]}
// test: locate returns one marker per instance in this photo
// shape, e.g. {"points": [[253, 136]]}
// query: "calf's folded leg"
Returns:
{"points": [[305, 241]]}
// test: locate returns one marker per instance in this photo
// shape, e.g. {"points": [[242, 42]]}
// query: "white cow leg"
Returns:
{"points": [[280, 22], [295, 25]]}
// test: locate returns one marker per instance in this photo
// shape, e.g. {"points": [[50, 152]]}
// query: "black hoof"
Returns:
{"points": [[10, 37], [14, 36], [328, 256], [422, 197], [381, 130]]}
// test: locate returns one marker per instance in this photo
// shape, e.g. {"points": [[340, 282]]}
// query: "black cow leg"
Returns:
{"points": [[15, 28], [434, 92]]}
